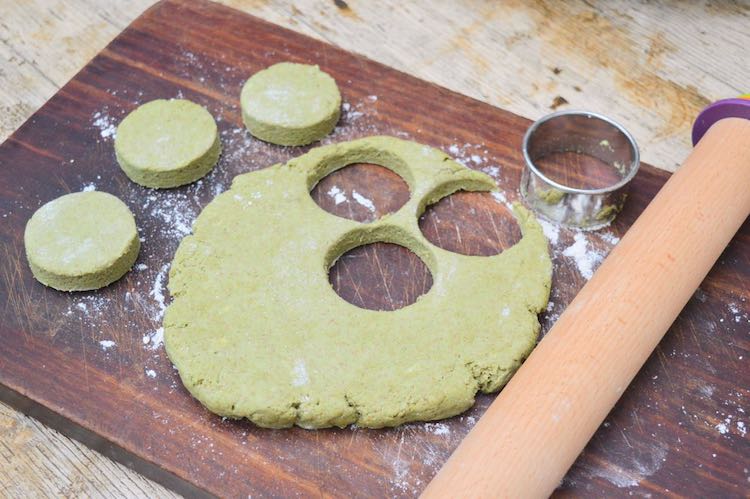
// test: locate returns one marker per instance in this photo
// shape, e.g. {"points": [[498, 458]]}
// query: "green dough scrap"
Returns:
{"points": [[81, 241], [167, 143], [290, 104], [256, 330]]}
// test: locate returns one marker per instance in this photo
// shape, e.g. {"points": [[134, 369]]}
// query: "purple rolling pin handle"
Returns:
{"points": [[725, 108]]}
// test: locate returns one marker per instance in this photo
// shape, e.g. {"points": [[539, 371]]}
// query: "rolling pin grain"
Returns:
{"points": [[541, 421]]}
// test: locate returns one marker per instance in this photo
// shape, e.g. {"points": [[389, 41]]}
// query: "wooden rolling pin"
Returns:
{"points": [[541, 421]]}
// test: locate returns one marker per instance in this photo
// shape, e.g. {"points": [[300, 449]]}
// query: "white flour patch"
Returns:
{"points": [[722, 428], [585, 258], [631, 474], [107, 344], [474, 154], [337, 194], [500, 198], [157, 291], [88, 187], [299, 372], [437, 428], [401, 472], [551, 231], [609, 238], [88, 307], [175, 211], [154, 339], [102, 121], [367, 203], [150, 373]]}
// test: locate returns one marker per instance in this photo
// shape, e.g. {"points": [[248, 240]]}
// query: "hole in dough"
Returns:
{"points": [[380, 276], [363, 192], [470, 223]]}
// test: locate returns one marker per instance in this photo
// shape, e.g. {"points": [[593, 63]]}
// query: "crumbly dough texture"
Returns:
{"points": [[81, 241], [290, 104], [167, 143], [257, 331]]}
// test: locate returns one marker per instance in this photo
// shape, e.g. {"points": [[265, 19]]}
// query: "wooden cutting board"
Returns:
{"points": [[90, 364]]}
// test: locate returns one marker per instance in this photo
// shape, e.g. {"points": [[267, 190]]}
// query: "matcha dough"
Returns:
{"points": [[167, 143], [290, 104], [81, 241], [257, 331]]}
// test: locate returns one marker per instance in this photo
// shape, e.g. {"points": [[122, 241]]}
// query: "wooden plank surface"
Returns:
{"points": [[610, 466]]}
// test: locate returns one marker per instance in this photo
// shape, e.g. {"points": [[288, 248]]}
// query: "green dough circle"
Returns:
{"points": [[256, 330], [81, 241], [290, 104], [167, 143]]}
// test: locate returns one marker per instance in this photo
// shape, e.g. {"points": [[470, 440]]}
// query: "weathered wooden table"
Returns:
{"points": [[650, 67]]}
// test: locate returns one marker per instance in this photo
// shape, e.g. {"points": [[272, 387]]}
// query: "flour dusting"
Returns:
{"points": [[299, 371], [367, 203], [102, 121], [585, 257], [437, 428], [107, 344], [337, 194]]}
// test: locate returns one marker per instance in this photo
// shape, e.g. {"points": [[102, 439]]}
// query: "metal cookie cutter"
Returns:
{"points": [[593, 137]]}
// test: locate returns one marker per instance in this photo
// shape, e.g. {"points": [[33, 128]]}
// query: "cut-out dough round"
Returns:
{"points": [[290, 104], [81, 241], [256, 330], [167, 143]]}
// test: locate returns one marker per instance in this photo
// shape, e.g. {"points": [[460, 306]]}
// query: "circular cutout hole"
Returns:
{"points": [[578, 170], [470, 223], [380, 276], [363, 192]]}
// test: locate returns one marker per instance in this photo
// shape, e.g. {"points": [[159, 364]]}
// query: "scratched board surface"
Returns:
{"points": [[93, 364]]}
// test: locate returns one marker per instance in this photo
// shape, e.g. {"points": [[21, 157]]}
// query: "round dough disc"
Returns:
{"points": [[81, 241], [290, 104], [167, 143], [256, 330]]}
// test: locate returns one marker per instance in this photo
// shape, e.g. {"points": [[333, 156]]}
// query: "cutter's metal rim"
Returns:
{"points": [[634, 165]]}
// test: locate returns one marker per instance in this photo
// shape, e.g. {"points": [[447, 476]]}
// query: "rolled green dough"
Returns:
{"points": [[290, 104], [167, 143], [81, 241], [257, 331]]}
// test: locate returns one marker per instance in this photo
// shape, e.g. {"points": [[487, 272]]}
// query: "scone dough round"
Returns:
{"points": [[290, 104], [167, 143], [81, 241], [257, 331]]}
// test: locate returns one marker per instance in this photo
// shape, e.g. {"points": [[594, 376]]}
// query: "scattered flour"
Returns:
{"points": [[551, 231], [104, 123], [88, 187], [337, 194], [154, 339], [299, 371], [631, 474], [585, 258], [157, 291], [107, 344], [367, 203], [437, 428], [150, 373]]}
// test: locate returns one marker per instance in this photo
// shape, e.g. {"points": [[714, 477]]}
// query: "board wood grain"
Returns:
{"points": [[675, 431]]}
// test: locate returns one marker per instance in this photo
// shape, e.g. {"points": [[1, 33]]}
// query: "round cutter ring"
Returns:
{"points": [[592, 138]]}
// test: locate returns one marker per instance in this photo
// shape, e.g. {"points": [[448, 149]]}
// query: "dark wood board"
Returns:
{"points": [[679, 429]]}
